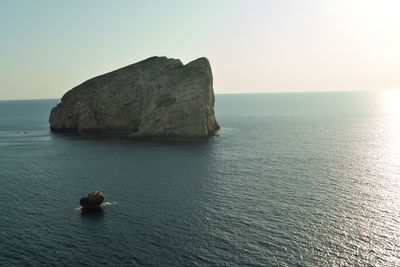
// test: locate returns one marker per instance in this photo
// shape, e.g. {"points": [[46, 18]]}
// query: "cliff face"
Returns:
{"points": [[156, 98]]}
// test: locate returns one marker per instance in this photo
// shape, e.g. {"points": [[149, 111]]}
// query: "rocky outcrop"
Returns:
{"points": [[92, 201], [157, 98]]}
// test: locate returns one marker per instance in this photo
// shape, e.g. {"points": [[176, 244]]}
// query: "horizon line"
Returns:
{"points": [[241, 93]]}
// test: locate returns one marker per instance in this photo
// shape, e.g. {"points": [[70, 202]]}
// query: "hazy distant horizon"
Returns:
{"points": [[237, 93], [254, 46]]}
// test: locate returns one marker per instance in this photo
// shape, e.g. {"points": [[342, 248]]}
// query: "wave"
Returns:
{"points": [[104, 204]]}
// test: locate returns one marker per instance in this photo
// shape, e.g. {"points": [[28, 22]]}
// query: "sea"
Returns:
{"points": [[292, 179]]}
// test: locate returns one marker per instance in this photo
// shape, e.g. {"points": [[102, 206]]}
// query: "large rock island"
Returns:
{"points": [[157, 98]]}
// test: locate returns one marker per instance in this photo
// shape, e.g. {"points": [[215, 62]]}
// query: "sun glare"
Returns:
{"points": [[390, 125], [391, 102]]}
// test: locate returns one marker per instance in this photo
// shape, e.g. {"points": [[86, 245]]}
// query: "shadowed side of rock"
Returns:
{"points": [[157, 98], [92, 201]]}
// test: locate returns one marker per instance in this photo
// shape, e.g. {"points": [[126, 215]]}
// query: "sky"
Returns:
{"points": [[49, 46]]}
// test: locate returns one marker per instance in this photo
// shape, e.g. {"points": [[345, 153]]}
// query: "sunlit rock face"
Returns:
{"points": [[156, 98]]}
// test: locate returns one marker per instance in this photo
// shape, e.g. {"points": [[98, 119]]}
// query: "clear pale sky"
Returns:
{"points": [[49, 46]]}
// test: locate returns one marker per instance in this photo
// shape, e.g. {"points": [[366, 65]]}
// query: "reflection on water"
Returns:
{"points": [[92, 213], [390, 101], [390, 127]]}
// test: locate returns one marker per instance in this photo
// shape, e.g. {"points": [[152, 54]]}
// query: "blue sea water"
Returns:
{"points": [[293, 179]]}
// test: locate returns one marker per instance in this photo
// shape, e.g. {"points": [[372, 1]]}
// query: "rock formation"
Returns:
{"points": [[92, 201], [157, 98]]}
